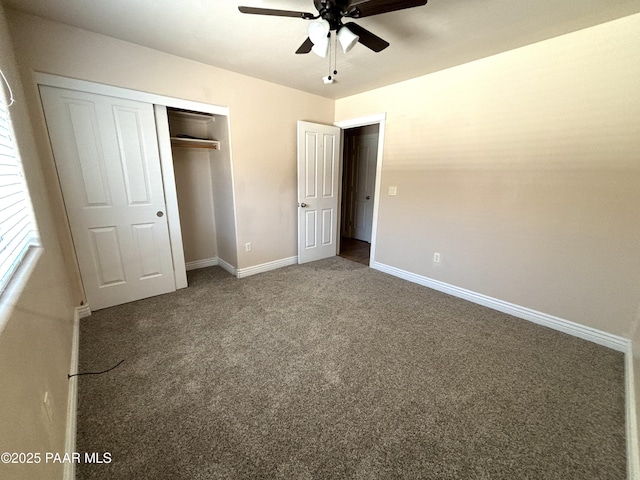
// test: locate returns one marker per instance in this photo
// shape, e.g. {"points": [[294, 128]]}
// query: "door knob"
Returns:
{"points": [[159, 213], [303, 205], [368, 197]]}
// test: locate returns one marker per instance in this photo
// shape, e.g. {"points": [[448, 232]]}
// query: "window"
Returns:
{"points": [[18, 232]]}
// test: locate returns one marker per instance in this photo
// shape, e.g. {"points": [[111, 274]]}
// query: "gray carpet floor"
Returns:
{"points": [[331, 370]]}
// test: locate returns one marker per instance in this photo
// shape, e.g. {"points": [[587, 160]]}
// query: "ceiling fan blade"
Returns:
{"points": [[277, 13], [367, 38], [306, 46], [368, 8]]}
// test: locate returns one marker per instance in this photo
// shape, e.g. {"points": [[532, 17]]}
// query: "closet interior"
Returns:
{"points": [[202, 168]]}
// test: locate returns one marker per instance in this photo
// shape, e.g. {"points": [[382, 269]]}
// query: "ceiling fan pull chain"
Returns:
{"points": [[328, 80], [335, 55], [330, 53]]}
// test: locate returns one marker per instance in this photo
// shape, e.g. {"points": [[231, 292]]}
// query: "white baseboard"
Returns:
{"points": [[227, 266], [207, 262], [211, 262], [265, 267], [581, 331], [633, 449], [241, 272], [614, 342], [83, 311], [69, 472]]}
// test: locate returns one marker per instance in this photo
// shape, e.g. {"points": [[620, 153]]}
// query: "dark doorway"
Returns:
{"points": [[358, 188], [355, 250]]}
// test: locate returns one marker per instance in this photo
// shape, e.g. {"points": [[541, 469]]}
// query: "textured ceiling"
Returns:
{"points": [[442, 34]]}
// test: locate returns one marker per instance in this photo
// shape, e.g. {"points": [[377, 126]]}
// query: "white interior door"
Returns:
{"points": [[106, 153], [366, 155], [318, 191]]}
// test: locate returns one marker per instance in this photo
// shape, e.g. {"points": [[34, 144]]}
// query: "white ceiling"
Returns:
{"points": [[442, 34]]}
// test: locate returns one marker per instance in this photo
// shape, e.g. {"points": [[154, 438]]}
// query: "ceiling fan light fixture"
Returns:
{"points": [[347, 39], [318, 31], [321, 48]]}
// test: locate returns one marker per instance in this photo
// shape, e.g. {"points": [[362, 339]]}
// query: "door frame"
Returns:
{"points": [[164, 145], [379, 119]]}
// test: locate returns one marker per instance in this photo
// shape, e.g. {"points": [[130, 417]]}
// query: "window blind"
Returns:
{"points": [[17, 226]]}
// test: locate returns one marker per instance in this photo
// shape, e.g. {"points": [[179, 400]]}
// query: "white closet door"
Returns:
{"points": [[106, 153]]}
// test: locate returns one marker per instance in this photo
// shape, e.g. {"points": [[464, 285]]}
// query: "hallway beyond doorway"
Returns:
{"points": [[355, 250]]}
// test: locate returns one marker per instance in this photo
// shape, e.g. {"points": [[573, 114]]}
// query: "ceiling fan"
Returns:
{"points": [[329, 18]]}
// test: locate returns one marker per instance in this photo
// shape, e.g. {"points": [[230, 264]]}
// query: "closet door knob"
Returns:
{"points": [[303, 205], [159, 213]]}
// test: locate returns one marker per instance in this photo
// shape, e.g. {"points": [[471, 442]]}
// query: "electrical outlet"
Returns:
{"points": [[436, 257], [393, 190], [247, 247]]}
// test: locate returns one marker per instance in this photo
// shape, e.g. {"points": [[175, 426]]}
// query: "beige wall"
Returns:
{"points": [[523, 171], [263, 118], [35, 345], [195, 200], [223, 199]]}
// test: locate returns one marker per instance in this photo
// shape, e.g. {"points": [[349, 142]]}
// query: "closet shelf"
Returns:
{"points": [[195, 143]]}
